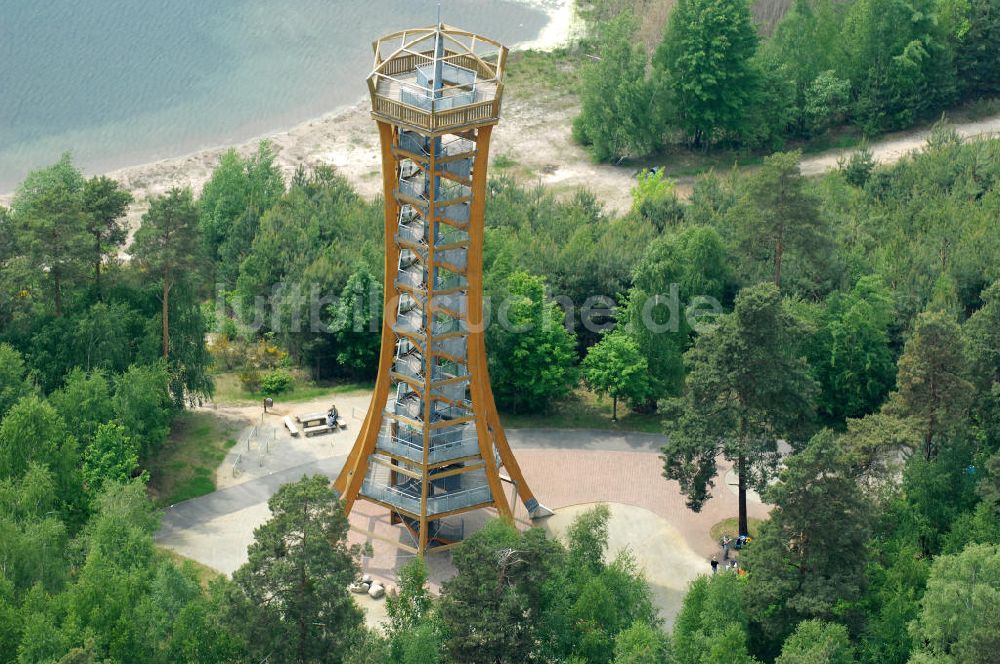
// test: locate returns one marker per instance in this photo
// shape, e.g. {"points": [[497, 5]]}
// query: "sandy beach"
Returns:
{"points": [[346, 138]]}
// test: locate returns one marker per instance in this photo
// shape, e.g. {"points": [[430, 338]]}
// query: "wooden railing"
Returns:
{"points": [[479, 113]]}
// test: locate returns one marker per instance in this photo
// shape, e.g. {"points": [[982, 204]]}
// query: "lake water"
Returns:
{"points": [[122, 82]]}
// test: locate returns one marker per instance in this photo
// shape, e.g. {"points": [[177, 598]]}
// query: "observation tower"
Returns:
{"points": [[431, 446]]}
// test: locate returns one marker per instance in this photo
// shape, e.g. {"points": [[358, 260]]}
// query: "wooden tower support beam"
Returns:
{"points": [[436, 449]]}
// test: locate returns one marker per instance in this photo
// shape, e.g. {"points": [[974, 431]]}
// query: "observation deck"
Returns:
{"points": [[437, 80]]}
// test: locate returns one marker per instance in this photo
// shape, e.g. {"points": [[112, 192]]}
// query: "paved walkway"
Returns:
{"points": [[569, 470], [188, 527]]}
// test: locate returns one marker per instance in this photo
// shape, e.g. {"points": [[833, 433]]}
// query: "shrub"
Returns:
{"points": [[250, 379], [276, 382], [857, 168]]}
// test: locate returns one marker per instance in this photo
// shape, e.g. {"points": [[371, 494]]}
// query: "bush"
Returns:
{"points": [[276, 382], [654, 197], [857, 168], [250, 379]]}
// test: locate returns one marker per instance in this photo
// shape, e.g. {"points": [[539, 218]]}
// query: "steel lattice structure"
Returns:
{"points": [[432, 445]]}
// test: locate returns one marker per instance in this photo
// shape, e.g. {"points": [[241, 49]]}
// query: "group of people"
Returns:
{"points": [[730, 565]]}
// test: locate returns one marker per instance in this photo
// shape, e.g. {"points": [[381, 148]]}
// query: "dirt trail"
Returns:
{"points": [[535, 133], [894, 147]]}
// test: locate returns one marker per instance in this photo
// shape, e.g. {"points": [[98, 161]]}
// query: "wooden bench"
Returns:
{"points": [[292, 429], [316, 429]]}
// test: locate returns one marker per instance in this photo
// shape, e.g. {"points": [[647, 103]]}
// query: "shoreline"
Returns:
{"points": [[340, 138]]}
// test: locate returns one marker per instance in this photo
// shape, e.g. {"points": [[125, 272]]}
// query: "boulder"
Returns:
{"points": [[367, 578], [359, 587], [376, 591]]}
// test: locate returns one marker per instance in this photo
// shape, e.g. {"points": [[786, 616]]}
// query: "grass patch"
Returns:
{"points": [[730, 527], [184, 467], [533, 72], [504, 161], [229, 391], [204, 573], [583, 410]]}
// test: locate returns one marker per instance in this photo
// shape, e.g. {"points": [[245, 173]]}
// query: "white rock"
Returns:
{"points": [[376, 591], [358, 587], [367, 578]]}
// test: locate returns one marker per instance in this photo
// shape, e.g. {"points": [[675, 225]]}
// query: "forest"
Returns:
{"points": [[878, 65], [853, 318]]}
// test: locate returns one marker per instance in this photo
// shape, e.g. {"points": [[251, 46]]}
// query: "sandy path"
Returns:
{"points": [[894, 147]]}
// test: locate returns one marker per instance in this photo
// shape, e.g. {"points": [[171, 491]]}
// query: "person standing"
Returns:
{"points": [[725, 547], [715, 565]]}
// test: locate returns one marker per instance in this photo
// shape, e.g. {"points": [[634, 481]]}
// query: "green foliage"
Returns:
{"points": [[105, 204], [641, 644], [411, 636], [357, 323], [826, 101], [502, 573], [879, 64], [858, 167], [973, 31], [784, 216], [958, 620], [712, 625], [588, 540], [897, 61], [51, 226], [937, 492], [110, 457], [678, 272], [747, 386], [142, 404], [309, 242], [654, 198], [817, 642], [804, 52], [536, 600], [615, 118], [32, 432], [615, 367], [712, 94], [290, 601], [850, 352], [14, 382], [809, 557], [84, 403], [584, 255], [981, 333], [932, 389], [532, 356], [609, 603], [167, 245], [250, 379], [276, 381], [232, 203], [896, 575], [33, 545]]}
